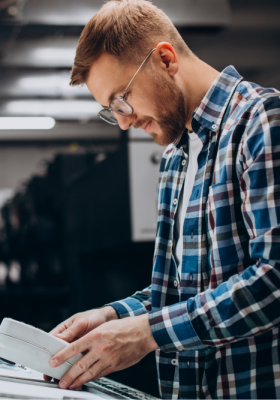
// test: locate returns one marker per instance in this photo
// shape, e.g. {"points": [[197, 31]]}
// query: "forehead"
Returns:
{"points": [[107, 75]]}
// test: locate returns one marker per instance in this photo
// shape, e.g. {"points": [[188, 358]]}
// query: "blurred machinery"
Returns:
{"points": [[81, 203]]}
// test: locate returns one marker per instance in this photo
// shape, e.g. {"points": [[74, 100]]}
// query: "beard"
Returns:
{"points": [[170, 113]]}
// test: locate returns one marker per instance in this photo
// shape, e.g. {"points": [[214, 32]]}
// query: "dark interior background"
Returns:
{"points": [[66, 243]]}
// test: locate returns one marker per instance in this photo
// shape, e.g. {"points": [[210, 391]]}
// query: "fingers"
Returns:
{"points": [[70, 351], [71, 330], [80, 368], [70, 333], [97, 370], [60, 328], [94, 372]]}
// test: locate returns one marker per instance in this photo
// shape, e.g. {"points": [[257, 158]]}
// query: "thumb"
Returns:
{"points": [[69, 334]]}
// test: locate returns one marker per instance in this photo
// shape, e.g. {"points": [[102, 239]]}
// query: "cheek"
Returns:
{"points": [[144, 107]]}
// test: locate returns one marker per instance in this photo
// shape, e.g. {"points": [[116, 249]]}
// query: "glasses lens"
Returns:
{"points": [[108, 116], [121, 107]]}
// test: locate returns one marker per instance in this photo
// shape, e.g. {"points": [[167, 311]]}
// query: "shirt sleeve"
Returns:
{"points": [[137, 304], [247, 304]]}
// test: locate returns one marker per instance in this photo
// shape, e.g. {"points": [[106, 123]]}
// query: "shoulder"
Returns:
{"points": [[262, 134], [263, 106], [254, 96]]}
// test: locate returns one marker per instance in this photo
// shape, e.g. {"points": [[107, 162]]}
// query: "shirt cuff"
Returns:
{"points": [[128, 307], [172, 329]]}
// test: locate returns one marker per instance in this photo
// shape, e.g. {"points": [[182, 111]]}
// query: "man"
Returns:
{"points": [[212, 311]]}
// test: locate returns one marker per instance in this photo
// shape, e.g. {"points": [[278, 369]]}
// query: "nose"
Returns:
{"points": [[125, 122]]}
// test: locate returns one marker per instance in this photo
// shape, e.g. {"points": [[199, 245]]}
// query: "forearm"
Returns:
{"points": [[244, 306]]}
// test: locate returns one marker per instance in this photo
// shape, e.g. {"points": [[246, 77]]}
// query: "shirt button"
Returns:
{"points": [[175, 202], [174, 362], [184, 162], [214, 126], [175, 283]]}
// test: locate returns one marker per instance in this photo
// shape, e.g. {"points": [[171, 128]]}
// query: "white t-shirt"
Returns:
{"points": [[195, 146]]}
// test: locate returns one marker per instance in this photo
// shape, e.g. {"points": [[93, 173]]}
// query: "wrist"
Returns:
{"points": [[151, 344], [110, 313]]}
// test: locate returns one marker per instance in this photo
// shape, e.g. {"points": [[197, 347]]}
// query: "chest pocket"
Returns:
{"points": [[226, 233]]}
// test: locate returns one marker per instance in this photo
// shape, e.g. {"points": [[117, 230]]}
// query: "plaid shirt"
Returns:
{"points": [[217, 327]]}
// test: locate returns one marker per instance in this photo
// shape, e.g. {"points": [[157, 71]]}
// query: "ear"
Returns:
{"points": [[166, 58]]}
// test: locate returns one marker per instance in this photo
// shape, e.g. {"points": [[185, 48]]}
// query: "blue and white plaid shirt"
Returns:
{"points": [[218, 327]]}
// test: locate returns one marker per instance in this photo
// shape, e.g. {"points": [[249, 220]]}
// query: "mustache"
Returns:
{"points": [[142, 122]]}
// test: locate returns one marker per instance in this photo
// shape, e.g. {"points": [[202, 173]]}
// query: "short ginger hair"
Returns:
{"points": [[127, 29]]}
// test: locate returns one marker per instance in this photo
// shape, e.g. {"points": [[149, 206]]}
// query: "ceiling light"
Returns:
{"points": [[44, 82], [56, 53], [64, 109], [26, 123], [46, 85]]}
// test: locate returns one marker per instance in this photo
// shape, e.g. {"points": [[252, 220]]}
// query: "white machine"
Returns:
{"points": [[32, 347], [27, 352], [144, 161]]}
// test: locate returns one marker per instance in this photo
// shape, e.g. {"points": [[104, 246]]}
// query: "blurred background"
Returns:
{"points": [[78, 196]]}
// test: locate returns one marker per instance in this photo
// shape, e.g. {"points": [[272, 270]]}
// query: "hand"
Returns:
{"points": [[111, 347], [82, 323]]}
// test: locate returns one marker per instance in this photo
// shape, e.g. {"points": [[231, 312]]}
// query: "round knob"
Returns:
{"points": [[155, 158]]}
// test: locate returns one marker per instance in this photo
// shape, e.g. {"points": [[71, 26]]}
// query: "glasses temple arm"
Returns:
{"points": [[139, 68]]}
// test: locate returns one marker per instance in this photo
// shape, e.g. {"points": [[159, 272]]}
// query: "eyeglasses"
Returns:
{"points": [[119, 105]]}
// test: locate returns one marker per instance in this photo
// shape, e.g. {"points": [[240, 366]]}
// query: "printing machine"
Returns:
{"points": [[20, 382]]}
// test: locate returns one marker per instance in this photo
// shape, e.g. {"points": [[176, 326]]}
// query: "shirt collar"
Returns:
{"points": [[182, 140], [210, 111]]}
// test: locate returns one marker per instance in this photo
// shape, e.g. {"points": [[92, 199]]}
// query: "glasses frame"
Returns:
{"points": [[110, 109]]}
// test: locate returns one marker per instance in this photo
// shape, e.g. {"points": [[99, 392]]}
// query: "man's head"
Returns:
{"points": [[112, 47]]}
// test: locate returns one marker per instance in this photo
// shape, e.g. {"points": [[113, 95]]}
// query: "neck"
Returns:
{"points": [[197, 78]]}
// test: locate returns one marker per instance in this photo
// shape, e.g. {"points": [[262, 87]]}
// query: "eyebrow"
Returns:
{"points": [[113, 94]]}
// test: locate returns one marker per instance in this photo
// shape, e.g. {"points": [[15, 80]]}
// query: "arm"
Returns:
{"points": [[80, 324], [248, 304]]}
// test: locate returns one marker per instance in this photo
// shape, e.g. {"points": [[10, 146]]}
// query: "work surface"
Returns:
{"points": [[18, 382]]}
